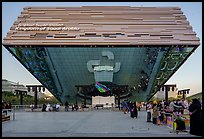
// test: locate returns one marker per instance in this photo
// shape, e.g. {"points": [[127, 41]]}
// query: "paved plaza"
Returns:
{"points": [[95, 123]]}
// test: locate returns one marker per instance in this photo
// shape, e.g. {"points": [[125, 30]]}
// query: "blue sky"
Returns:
{"points": [[189, 75]]}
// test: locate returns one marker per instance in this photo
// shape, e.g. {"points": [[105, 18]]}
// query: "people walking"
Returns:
{"points": [[66, 106], [57, 107], [32, 107], [125, 109], [149, 109], [135, 111], [44, 107], [76, 107], [73, 106]]}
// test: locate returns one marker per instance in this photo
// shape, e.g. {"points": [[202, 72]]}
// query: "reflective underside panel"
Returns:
{"points": [[142, 69]]}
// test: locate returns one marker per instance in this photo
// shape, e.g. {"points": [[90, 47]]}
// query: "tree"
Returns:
{"points": [[27, 99]]}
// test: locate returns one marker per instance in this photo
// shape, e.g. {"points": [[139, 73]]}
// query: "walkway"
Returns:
{"points": [[93, 124]]}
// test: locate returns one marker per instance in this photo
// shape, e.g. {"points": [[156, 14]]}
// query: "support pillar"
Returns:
{"points": [[85, 99], [76, 99], [35, 97], [166, 93], [119, 101], [21, 97]]}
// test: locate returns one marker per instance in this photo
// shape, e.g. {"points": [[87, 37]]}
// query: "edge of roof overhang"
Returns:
{"points": [[100, 45]]}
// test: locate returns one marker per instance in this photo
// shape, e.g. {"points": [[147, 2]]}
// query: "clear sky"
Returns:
{"points": [[189, 75]]}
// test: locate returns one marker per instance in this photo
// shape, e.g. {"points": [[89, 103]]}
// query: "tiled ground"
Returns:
{"points": [[89, 123]]}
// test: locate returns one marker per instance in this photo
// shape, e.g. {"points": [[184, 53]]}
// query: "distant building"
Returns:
{"points": [[9, 86], [173, 92]]}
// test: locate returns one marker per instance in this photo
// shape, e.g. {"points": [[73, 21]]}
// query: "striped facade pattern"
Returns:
{"points": [[104, 25]]}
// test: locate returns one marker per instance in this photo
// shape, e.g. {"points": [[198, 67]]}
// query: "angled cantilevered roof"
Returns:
{"points": [[101, 25]]}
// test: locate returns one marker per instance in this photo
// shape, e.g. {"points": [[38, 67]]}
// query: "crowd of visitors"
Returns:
{"points": [[157, 110], [47, 107]]}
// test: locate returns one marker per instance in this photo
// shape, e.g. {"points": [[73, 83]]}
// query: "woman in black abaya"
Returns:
{"points": [[195, 117]]}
